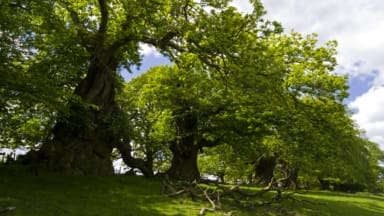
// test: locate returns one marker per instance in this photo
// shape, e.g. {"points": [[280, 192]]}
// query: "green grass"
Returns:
{"points": [[132, 195]]}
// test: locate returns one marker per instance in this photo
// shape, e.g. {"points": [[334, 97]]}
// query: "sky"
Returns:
{"points": [[357, 26]]}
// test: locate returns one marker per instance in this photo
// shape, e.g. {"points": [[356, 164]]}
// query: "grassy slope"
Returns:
{"points": [[127, 195]]}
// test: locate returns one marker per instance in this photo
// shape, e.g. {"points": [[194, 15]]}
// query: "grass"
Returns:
{"points": [[133, 195]]}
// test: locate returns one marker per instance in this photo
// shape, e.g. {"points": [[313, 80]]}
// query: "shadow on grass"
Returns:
{"points": [[132, 195], [79, 195]]}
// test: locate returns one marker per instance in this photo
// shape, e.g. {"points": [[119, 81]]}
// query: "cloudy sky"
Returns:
{"points": [[358, 26]]}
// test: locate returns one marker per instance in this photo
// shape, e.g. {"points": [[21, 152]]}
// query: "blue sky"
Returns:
{"points": [[358, 27]]}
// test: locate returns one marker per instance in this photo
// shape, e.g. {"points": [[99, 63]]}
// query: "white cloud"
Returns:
{"points": [[358, 26], [370, 115], [242, 5], [148, 50]]}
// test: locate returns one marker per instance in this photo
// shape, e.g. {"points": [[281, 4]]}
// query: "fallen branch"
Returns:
{"points": [[213, 205], [241, 198], [7, 209]]}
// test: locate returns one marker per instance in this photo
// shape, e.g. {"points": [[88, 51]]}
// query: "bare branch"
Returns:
{"points": [[213, 205], [7, 210]]}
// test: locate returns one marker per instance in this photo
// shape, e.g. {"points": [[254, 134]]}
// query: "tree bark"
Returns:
{"points": [[185, 148], [184, 163]]}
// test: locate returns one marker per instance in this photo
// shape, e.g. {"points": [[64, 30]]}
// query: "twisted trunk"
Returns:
{"points": [[145, 166], [82, 141]]}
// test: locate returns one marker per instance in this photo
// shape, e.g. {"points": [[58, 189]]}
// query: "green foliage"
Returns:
{"points": [[24, 127], [244, 83], [157, 100], [222, 163], [48, 47], [281, 99]]}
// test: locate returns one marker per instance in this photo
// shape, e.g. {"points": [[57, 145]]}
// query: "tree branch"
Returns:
{"points": [[20, 6], [80, 28], [104, 19], [165, 42], [207, 143], [121, 42], [125, 150]]}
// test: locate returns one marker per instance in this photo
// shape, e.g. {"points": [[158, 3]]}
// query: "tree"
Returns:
{"points": [[305, 120], [178, 107], [80, 46], [237, 80]]}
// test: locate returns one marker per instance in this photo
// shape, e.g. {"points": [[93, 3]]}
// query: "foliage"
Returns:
{"points": [[222, 163], [157, 101], [303, 119], [237, 81], [286, 103], [69, 54]]}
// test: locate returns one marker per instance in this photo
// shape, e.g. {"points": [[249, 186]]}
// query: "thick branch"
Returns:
{"points": [[165, 42], [7, 210], [20, 6], [125, 151], [80, 28], [209, 143], [121, 42], [104, 19]]}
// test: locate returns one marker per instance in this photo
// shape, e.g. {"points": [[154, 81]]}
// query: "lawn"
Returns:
{"points": [[134, 195]]}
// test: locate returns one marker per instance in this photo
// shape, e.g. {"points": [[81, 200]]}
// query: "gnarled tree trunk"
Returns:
{"points": [[82, 141], [184, 162]]}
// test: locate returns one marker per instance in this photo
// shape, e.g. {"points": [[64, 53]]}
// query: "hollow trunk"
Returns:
{"points": [[82, 141]]}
